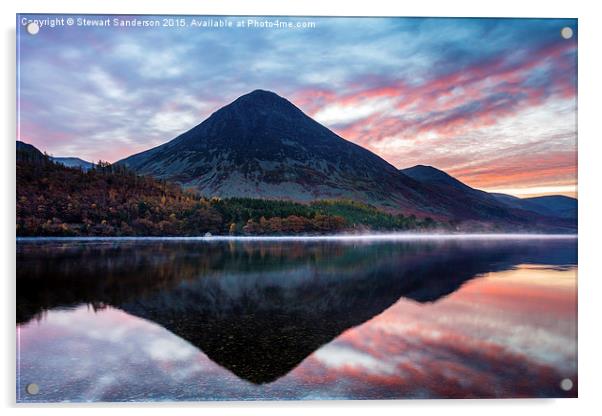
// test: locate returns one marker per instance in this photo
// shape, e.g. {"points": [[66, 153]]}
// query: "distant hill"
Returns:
{"points": [[434, 176], [26, 151], [497, 207], [73, 162], [551, 205], [444, 182], [562, 206]]}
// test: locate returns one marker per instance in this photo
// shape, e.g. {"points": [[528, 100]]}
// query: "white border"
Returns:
{"points": [[590, 210]]}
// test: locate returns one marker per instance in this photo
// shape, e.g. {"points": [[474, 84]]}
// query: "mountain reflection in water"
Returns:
{"points": [[259, 309]]}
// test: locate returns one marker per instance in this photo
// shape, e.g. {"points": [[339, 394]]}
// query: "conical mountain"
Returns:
{"points": [[261, 145]]}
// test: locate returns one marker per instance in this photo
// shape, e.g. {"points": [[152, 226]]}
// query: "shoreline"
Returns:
{"points": [[338, 237]]}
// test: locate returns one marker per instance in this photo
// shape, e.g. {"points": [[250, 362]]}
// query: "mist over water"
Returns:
{"points": [[244, 319], [337, 237]]}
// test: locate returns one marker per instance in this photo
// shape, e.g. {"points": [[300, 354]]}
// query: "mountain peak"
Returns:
{"points": [[425, 172], [434, 176], [262, 93], [262, 96], [260, 103]]}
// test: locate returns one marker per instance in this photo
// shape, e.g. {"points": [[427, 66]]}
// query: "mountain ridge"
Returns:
{"points": [[561, 206], [72, 162], [448, 184]]}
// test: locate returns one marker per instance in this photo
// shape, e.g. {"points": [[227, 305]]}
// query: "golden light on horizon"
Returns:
{"points": [[534, 191]]}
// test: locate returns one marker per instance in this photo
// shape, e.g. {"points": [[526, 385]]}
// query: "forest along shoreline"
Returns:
{"points": [[109, 200]]}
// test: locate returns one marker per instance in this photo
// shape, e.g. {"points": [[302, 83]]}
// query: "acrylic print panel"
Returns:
{"points": [[287, 208]]}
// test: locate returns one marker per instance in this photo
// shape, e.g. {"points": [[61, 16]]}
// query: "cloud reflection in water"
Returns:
{"points": [[508, 333]]}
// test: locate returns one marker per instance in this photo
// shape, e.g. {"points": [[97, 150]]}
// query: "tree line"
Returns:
{"points": [[110, 200]]}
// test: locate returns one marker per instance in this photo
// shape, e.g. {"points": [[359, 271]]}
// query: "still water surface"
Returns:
{"points": [[147, 320]]}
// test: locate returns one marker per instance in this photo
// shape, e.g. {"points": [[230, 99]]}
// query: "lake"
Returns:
{"points": [[282, 319]]}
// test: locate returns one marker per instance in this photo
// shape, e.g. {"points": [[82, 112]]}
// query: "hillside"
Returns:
{"points": [[73, 162], [55, 200], [550, 205], [531, 213]]}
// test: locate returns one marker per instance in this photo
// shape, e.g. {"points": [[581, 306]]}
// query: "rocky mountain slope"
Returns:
{"points": [[262, 146]]}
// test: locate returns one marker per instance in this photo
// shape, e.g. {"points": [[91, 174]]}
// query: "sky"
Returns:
{"points": [[490, 101]]}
